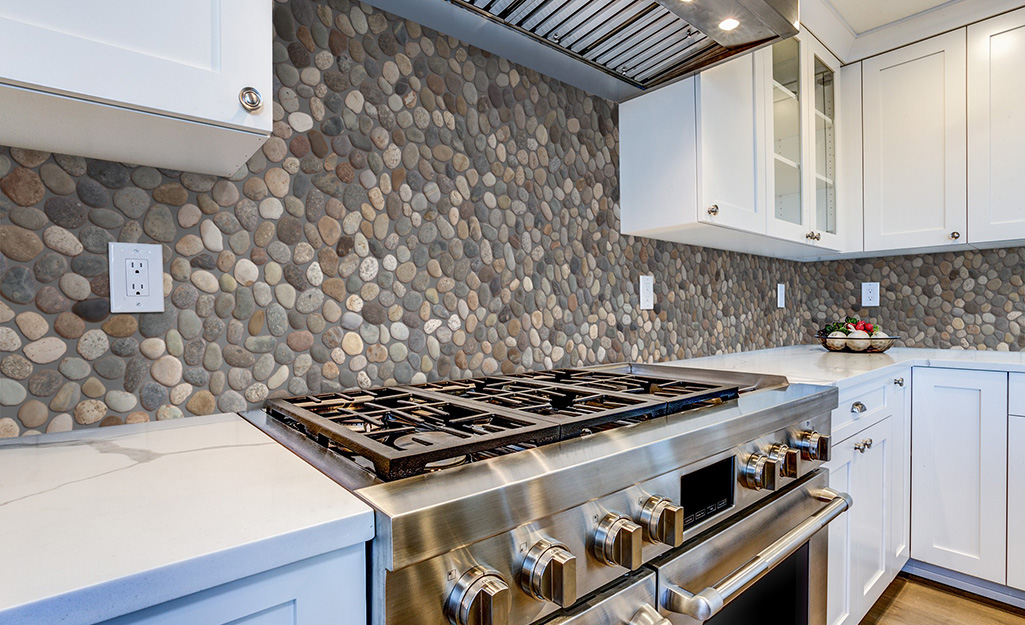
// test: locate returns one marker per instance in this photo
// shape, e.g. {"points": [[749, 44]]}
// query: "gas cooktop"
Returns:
{"points": [[401, 431]]}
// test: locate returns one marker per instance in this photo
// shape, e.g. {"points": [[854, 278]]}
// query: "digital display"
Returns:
{"points": [[707, 492]]}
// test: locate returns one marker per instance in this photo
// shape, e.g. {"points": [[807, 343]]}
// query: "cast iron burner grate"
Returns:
{"points": [[407, 430], [403, 432]]}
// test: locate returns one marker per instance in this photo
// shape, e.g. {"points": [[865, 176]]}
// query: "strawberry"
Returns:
{"points": [[869, 327]]}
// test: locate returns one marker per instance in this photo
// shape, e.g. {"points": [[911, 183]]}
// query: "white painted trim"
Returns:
{"points": [[980, 587], [822, 19]]}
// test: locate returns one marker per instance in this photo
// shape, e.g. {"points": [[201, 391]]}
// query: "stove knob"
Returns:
{"points": [[786, 458], [617, 541], [662, 521], [813, 446], [759, 472], [480, 597], [549, 573]]}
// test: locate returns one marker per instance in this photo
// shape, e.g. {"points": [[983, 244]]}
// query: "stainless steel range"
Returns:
{"points": [[614, 494]]}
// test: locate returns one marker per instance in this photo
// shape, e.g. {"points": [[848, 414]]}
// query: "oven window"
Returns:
{"points": [[781, 597]]}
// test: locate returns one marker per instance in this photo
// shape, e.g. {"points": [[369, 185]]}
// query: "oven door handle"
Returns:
{"points": [[704, 605]]}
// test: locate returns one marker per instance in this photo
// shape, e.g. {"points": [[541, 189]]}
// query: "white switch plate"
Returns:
{"points": [[781, 295], [136, 277], [869, 294], [647, 292]]}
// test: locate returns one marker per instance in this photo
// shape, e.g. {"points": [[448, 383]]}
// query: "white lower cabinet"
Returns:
{"points": [[1016, 506], [324, 590], [860, 563], [959, 471]]}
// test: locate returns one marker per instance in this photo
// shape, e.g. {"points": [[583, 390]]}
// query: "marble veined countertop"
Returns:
{"points": [[813, 364], [108, 521]]}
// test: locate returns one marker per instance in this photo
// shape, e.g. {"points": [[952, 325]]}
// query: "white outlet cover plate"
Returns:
{"points": [[647, 291], [124, 300], [781, 295], [869, 294]]}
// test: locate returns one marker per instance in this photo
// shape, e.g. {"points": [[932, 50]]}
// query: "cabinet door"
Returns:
{"points": [[1016, 506], [900, 514], [996, 129], [731, 121], [915, 146], [786, 134], [822, 110], [959, 471], [859, 544], [188, 59]]}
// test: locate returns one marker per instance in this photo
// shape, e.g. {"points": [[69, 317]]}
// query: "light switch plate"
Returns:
{"points": [[647, 292], [136, 277], [781, 295], [869, 294]]}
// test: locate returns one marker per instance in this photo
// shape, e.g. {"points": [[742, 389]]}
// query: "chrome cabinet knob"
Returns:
{"points": [[899, 381], [786, 459], [955, 235], [713, 209], [759, 472], [810, 236], [549, 573], [480, 597], [863, 445], [250, 99], [813, 446], [662, 521], [617, 541], [858, 407], [648, 615]]}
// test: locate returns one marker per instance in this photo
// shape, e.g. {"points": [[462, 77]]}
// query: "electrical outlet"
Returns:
{"points": [[869, 294], [647, 292], [781, 295], [137, 273], [136, 277]]}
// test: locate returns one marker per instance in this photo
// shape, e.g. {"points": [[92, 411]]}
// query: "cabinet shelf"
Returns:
{"points": [[825, 118], [780, 93]]}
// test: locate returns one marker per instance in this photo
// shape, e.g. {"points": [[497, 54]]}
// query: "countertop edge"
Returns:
{"points": [[153, 587]]}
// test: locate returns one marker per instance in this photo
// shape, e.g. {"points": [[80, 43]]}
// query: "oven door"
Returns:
{"points": [[767, 564]]}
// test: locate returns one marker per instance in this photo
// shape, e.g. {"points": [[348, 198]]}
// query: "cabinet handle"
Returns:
{"points": [[955, 235], [250, 99], [858, 407], [810, 236], [863, 445], [899, 382], [713, 209]]}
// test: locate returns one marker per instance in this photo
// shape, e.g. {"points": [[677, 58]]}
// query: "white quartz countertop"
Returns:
{"points": [[812, 364], [108, 521]]}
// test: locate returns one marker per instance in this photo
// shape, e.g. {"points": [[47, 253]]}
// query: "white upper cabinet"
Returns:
{"points": [[802, 133], [741, 157], [730, 118], [139, 82], [996, 129], [915, 145]]}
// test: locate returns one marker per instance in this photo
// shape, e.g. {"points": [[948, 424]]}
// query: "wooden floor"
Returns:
{"points": [[912, 601]]}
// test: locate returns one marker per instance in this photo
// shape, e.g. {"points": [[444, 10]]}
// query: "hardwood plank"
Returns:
{"points": [[910, 601]]}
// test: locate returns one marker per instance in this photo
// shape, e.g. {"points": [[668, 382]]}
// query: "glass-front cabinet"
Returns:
{"points": [[801, 167]]}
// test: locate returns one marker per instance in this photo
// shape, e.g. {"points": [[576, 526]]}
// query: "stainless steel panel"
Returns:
{"points": [[614, 606]]}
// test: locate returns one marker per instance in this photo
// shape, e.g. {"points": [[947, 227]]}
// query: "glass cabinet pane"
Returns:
{"points": [[825, 149], [786, 111]]}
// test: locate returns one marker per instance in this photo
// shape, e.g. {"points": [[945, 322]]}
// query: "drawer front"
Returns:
{"points": [[1016, 395], [867, 403]]}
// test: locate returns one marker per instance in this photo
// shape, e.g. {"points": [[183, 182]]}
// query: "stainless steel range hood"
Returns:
{"points": [[612, 48]]}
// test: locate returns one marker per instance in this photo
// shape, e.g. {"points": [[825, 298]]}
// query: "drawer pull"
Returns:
{"points": [[864, 445], [648, 615], [899, 382], [858, 407]]}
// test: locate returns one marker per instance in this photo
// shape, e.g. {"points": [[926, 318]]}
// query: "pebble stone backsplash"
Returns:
{"points": [[423, 210]]}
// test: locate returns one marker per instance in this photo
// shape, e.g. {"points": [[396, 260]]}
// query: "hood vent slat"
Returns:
{"points": [[643, 42]]}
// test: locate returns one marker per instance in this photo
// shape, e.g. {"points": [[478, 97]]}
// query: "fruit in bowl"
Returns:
{"points": [[855, 335]]}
